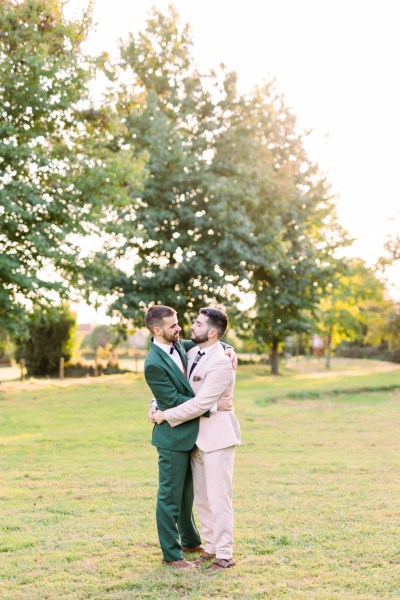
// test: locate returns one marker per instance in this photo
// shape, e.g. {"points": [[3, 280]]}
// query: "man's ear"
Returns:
{"points": [[212, 332], [156, 330]]}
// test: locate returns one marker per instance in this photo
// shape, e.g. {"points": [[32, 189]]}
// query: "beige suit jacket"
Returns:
{"points": [[212, 377]]}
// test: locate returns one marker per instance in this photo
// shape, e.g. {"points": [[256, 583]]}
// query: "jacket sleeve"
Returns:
{"points": [[218, 380], [188, 344], [163, 388]]}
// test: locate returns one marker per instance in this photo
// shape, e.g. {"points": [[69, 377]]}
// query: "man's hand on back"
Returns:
{"points": [[225, 402], [150, 414], [159, 417]]}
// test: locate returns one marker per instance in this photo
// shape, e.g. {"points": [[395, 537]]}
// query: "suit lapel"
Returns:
{"points": [[181, 351], [209, 356], [171, 365]]}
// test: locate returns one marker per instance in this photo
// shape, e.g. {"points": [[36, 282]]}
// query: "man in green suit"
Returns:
{"points": [[165, 373]]}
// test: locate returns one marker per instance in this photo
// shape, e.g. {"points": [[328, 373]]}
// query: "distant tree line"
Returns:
{"points": [[175, 188]]}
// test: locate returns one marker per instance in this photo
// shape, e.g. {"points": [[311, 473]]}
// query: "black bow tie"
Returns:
{"points": [[172, 348]]}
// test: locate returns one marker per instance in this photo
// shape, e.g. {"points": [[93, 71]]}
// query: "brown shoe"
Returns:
{"points": [[193, 549], [205, 557], [221, 563], [179, 564]]}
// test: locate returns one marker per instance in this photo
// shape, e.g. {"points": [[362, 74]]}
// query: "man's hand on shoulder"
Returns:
{"points": [[229, 351]]}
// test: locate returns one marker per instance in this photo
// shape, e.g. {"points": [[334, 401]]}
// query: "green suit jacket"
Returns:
{"points": [[170, 387]]}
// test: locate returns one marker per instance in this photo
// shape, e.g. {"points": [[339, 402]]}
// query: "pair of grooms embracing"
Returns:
{"points": [[195, 433]]}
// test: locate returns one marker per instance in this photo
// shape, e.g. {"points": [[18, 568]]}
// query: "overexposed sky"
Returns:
{"points": [[337, 64]]}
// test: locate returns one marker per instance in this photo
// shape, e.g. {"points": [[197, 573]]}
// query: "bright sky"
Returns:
{"points": [[335, 61]]}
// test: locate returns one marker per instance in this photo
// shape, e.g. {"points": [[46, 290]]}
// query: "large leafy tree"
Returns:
{"points": [[59, 169], [392, 325], [266, 176], [176, 249], [231, 204], [353, 307]]}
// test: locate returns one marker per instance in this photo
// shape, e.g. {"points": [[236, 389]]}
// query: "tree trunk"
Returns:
{"points": [[328, 349], [61, 369], [274, 358]]}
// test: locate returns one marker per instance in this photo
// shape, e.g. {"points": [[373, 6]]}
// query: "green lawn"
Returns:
{"points": [[317, 489]]}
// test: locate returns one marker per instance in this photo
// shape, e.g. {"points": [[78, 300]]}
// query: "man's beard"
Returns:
{"points": [[199, 339], [170, 337]]}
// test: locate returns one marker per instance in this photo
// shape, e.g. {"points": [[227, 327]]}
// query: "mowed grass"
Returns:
{"points": [[316, 495]]}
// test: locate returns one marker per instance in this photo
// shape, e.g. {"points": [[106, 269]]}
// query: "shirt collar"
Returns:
{"points": [[165, 347], [206, 349]]}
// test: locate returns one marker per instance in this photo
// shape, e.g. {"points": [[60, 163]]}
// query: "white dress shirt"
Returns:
{"points": [[175, 356]]}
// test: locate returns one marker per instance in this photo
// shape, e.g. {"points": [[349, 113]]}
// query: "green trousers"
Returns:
{"points": [[175, 523]]}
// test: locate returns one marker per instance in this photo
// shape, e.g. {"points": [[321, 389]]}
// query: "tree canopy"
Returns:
{"points": [[181, 189], [55, 158], [176, 245], [230, 203]]}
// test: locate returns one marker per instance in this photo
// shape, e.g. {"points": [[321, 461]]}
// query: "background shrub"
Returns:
{"points": [[46, 338]]}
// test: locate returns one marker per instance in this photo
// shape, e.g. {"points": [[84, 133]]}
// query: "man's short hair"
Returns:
{"points": [[155, 315], [216, 318]]}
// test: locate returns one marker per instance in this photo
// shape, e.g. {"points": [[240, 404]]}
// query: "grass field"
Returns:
{"points": [[317, 506]]}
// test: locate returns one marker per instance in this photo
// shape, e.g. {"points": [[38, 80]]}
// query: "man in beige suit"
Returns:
{"points": [[210, 375]]}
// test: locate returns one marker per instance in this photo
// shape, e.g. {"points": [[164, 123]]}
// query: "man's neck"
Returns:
{"points": [[208, 343], [161, 340]]}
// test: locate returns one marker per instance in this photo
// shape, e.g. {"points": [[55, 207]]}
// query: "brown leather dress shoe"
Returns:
{"points": [[205, 557], [221, 563], [193, 549], [179, 564]]}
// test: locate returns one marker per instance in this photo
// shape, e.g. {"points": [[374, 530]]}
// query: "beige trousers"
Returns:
{"points": [[212, 486]]}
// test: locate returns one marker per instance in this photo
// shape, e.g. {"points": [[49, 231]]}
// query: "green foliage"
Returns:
{"points": [[354, 306], [230, 204], [6, 347], [195, 192], [173, 247], [59, 169], [267, 179], [42, 77], [378, 331], [392, 326], [48, 336]]}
